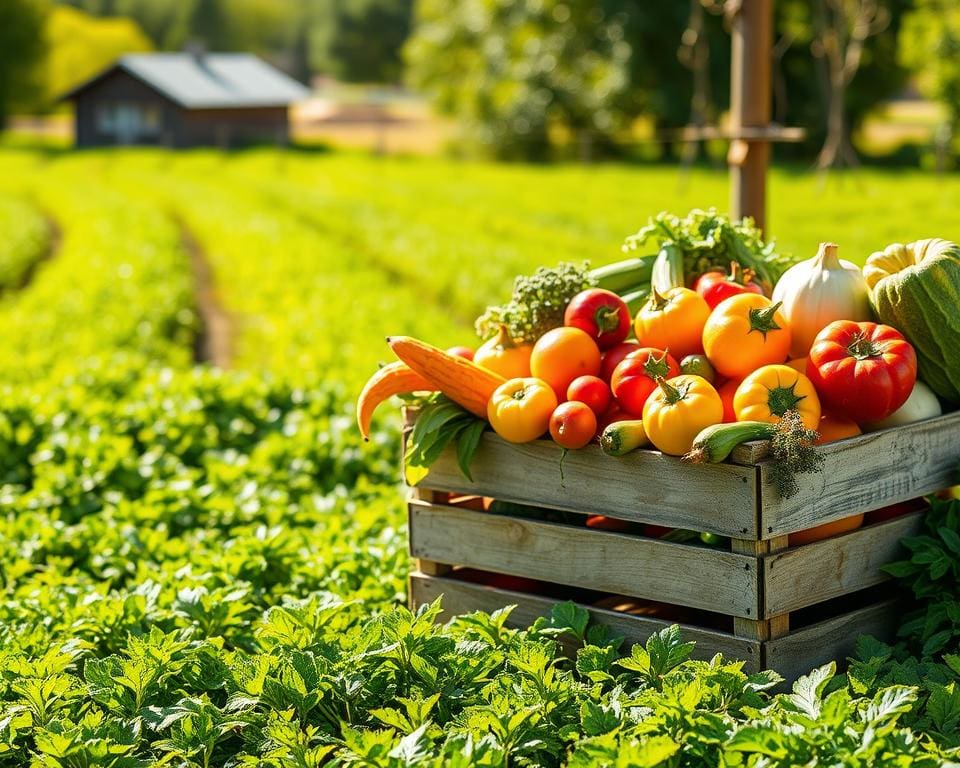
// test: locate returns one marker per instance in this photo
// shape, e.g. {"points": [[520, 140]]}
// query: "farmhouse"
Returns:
{"points": [[185, 100]]}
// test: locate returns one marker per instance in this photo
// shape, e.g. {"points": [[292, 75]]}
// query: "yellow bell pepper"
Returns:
{"points": [[772, 390], [678, 410]]}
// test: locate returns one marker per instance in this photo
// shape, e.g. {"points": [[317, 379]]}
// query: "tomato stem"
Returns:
{"points": [[657, 300], [607, 319], [656, 367], [504, 341], [782, 399], [671, 393], [764, 320], [863, 348]]}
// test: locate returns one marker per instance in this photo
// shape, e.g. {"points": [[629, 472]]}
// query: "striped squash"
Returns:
{"points": [[916, 289]]}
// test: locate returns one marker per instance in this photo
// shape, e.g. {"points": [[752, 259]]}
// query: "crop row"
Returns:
{"points": [[26, 239], [304, 302], [120, 281]]}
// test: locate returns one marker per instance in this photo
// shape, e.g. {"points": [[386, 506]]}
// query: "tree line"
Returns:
{"points": [[523, 77]]}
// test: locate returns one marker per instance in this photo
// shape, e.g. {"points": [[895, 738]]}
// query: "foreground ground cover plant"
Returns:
{"points": [[207, 569]]}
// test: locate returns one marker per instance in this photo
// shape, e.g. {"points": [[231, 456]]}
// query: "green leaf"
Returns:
{"points": [[760, 740], [667, 649], [808, 690], [890, 703], [951, 538], [467, 443], [596, 719]]}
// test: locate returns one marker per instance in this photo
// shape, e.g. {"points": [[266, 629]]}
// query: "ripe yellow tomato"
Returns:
{"points": [[744, 333], [771, 391], [678, 410], [673, 321], [562, 355], [519, 410]]}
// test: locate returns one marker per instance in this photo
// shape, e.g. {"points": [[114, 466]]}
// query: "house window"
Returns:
{"points": [[128, 122]]}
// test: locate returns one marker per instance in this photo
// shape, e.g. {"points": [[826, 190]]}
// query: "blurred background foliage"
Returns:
{"points": [[597, 77]]}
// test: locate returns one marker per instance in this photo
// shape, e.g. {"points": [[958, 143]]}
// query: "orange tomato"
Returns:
{"points": [[745, 332], [673, 321], [519, 409], [825, 531], [563, 354], [572, 424], [798, 364], [770, 391], [835, 428], [678, 410], [601, 523], [727, 391]]}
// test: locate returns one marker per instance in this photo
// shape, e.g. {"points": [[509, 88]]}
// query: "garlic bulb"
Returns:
{"points": [[818, 291]]}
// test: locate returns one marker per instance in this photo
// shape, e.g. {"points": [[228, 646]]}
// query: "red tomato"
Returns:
{"points": [[612, 414], [635, 377], [591, 390], [601, 523], [895, 510], [862, 371], [499, 580], [464, 352], [655, 531], [573, 424], [726, 392], [601, 314], [612, 357], [715, 286]]}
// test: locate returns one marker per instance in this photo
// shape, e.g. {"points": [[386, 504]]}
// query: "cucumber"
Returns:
{"points": [[621, 437], [668, 269], [636, 299], [624, 276]]}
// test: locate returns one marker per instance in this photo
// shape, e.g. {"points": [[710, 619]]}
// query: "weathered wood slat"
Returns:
{"points": [[463, 597], [724, 582], [826, 569], [768, 625], [802, 650], [864, 473], [644, 486]]}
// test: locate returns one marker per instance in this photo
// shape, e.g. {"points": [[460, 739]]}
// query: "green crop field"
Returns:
{"points": [[204, 567]]}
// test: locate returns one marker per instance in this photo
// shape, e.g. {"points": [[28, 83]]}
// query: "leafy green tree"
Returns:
{"points": [[21, 50], [360, 41], [930, 45], [517, 74], [80, 45]]}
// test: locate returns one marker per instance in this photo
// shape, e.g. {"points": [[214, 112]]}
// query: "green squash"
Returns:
{"points": [[916, 289]]}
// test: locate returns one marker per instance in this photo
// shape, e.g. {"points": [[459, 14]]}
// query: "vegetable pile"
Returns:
{"points": [[711, 341]]}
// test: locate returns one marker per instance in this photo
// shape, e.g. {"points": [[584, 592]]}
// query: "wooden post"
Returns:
{"points": [[752, 30]]}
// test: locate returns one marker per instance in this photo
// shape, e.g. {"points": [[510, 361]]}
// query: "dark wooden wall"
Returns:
{"points": [[179, 127]]}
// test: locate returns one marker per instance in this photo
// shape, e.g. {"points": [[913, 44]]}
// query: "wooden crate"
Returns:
{"points": [[761, 600]]}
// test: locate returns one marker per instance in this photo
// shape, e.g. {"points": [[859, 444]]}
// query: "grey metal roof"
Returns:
{"points": [[209, 80]]}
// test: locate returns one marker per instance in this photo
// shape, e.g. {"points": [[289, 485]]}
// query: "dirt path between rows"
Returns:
{"points": [[214, 341]]}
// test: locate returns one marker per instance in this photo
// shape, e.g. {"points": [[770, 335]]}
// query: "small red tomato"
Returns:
{"points": [[591, 390], [895, 510], [862, 371], [655, 531], [601, 523], [464, 352], [715, 286], [573, 424], [612, 414], [636, 377], [726, 392], [612, 357], [601, 314]]}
